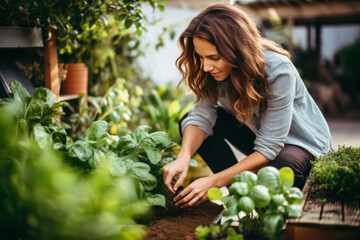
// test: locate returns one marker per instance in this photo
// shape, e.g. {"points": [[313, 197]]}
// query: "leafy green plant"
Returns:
{"points": [[266, 200], [139, 155], [36, 115], [42, 198], [116, 107], [165, 109], [337, 174]]}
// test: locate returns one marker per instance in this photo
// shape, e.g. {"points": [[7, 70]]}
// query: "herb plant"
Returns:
{"points": [[265, 200], [337, 174], [43, 198], [139, 155], [36, 115]]}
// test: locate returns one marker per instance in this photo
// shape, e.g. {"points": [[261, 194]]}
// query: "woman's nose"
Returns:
{"points": [[207, 66]]}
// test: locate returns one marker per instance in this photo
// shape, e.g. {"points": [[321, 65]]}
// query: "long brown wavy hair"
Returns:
{"points": [[240, 44]]}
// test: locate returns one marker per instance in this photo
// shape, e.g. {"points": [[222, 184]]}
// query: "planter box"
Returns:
{"points": [[333, 220]]}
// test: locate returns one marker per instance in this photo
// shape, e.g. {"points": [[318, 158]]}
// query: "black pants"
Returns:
{"points": [[218, 155]]}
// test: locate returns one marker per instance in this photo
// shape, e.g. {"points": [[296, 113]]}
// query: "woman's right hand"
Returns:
{"points": [[175, 173]]}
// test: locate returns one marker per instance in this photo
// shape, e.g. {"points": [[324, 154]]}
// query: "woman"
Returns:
{"points": [[248, 92]]}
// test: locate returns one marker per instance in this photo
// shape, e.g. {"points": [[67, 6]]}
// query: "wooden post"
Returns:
{"points": [[51, 65]]}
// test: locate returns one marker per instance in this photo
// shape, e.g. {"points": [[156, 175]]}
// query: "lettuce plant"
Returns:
{"points": [[261, 203]]}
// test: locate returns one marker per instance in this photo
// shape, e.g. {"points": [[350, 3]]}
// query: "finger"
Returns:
{"points": [[204, 198], [191, 202], [182, 194], [185, 199], [167, 181], [179, 182]]}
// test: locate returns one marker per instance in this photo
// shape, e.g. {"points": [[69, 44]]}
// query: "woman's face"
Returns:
{"points": [[211, 60]]}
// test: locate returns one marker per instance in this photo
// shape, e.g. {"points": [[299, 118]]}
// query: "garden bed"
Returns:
{"points": [[180, 224], [324, 219]]}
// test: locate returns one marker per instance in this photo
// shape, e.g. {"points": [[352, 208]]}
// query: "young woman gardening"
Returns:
{"points": [[248, 92]]}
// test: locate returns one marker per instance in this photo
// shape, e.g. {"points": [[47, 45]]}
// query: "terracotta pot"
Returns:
{"points": [[76, 81]]}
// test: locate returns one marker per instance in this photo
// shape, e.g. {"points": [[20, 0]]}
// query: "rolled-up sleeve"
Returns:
{"points": [[203, 115], [276, 121]]}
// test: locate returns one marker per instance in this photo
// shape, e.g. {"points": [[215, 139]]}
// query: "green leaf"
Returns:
{"points": [[82, 150], [270, 178], [202, 232], [214, 194], [97, 157], [246, 204], [42, 137], [160, 138], [273, 223], [34, 109], [115, 117], [59, 134], [128, 23], [278, 200], [153, 155], [231, 206], [45, 96], [161, 7], [155, 199], [140, 191], [141, 172], [246, 176], [239, 188], [127, 143], [119, 165], [260, 195], [294, 210], [20, 93], [139, 131], [97, 130], [294, 195], [286, 178]]}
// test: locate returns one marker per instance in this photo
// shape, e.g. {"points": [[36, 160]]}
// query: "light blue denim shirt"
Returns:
{"points": [[291, 117]]}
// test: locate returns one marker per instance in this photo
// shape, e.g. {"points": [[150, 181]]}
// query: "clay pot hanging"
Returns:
{"points": [[76, 81]]}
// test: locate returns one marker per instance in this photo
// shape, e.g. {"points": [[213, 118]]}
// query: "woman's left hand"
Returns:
{"points": [[195, 193]]}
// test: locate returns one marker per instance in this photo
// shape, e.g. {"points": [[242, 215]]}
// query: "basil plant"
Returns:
{"points": [[261, 202]]}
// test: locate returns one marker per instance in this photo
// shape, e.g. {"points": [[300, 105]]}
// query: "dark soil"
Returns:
{"points": [[179, 224]]}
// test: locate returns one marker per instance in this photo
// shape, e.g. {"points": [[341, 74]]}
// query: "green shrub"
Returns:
{"points": [[337, 174]]}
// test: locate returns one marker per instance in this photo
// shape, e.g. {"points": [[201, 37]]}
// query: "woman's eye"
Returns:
{"points": [[215, 58]]}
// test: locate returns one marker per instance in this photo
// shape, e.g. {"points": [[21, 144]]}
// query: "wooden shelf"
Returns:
{"points": [[68, 97]]}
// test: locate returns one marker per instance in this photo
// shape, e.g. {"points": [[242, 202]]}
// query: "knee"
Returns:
{"points": [[298, 160]]}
